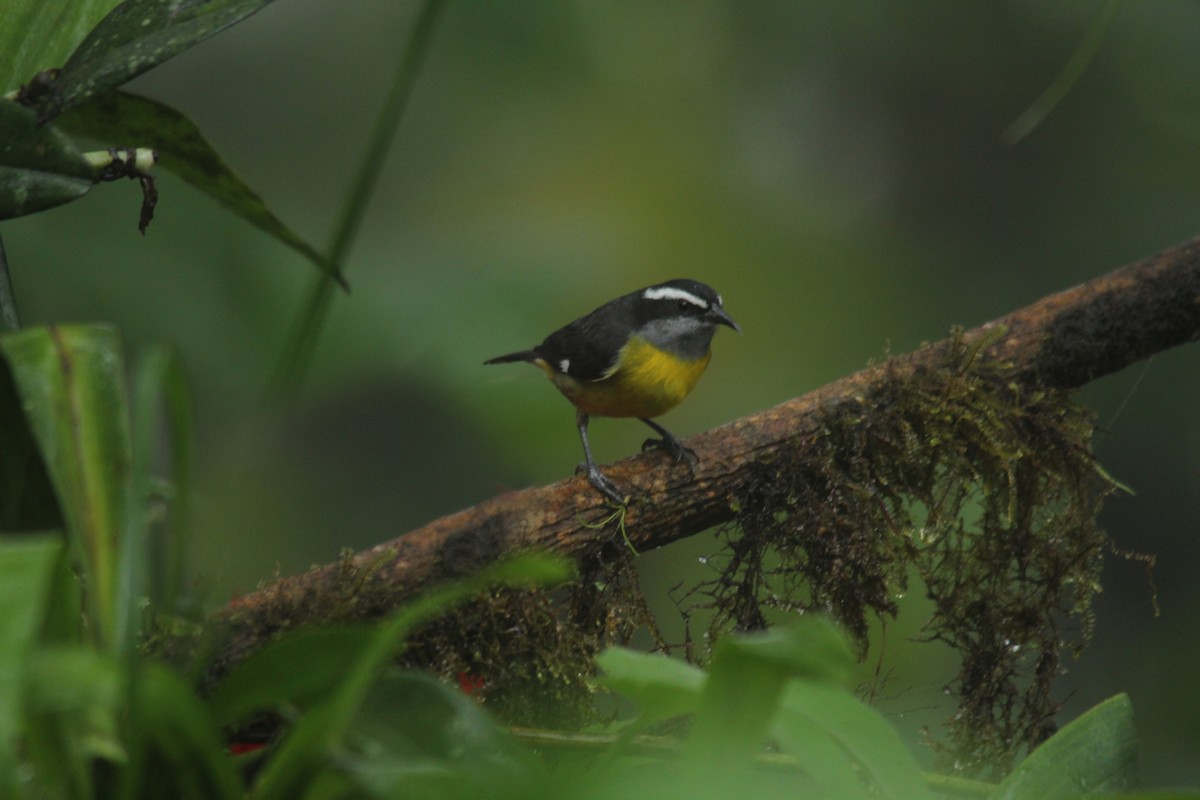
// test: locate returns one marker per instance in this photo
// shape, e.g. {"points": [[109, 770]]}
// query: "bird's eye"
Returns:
{"points": [[684, 305]]}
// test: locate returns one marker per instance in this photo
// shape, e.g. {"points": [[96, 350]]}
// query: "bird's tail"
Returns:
{"points": [[523, 355]]}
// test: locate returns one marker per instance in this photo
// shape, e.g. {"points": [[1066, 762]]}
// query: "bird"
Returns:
{"points": [[637, 356]]}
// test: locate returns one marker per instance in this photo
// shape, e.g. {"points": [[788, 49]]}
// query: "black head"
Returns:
{"points": [[686, 299], [680, 316]]}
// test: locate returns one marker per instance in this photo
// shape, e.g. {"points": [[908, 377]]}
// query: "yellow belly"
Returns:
{"points": [[649, 382]]}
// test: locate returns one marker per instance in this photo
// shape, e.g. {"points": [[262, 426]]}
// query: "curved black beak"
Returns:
{"points": [[719, 316]]}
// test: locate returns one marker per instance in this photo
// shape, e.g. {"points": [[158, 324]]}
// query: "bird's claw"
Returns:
{"points": [[673, 448], [602, 483]]}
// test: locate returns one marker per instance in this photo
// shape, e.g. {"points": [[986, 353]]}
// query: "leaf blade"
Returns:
{"points": [[662, 687], [868, 745], [323, 729], [268, 679], [26, 569], [36, 35], [40, 167], [120, 118], [134, 37], [1093, 754], [72, 385]]}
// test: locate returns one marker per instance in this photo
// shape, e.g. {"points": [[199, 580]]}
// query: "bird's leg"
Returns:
{"points": [[669, 443], [594, 475]]}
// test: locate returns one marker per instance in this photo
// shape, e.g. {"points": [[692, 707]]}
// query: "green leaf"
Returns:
{"points": [[529, 569], [812, 648], [40, 166], [63, 624], [9, 319], [843, 744], [324, 729], [138, 35], [819, 757], [36, 35], [1092, 755], [182, 743], [309, 321], [26, 570], [745, 682], [72, 702], [268, 680], [662, 687], [27, 499], [417, 737], [121, 119], [72, 386], [162, 405]]}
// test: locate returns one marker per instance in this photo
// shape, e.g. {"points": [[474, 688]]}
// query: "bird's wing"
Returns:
{"points": [[588, 348]]}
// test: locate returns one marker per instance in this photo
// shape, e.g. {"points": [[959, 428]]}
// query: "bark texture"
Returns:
{"points": [[1062, 341]]}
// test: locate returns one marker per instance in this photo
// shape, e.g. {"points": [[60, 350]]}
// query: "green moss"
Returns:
{"points": [[987, 488], [528, 655]]}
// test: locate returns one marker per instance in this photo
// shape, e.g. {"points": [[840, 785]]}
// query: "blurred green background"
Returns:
{"points": [[836, 169]]}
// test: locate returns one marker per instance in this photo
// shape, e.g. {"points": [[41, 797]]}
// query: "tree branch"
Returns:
{"points": [[1060, 342]]}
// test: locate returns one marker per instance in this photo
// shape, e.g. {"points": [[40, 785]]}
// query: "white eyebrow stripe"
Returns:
{"points": [[672, 293]]}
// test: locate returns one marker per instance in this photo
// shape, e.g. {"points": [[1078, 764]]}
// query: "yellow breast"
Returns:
{"points": [[648, 382]]}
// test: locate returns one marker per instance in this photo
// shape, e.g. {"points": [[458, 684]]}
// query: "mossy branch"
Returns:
{"points": [[1058, 343]]}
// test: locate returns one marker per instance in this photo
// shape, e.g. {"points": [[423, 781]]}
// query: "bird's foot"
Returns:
{"points": [[674, 448], [602, 483]]}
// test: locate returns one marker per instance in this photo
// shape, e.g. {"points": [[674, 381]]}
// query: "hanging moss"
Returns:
{"points": [[984, 488], [528, 655], [988, 489]]}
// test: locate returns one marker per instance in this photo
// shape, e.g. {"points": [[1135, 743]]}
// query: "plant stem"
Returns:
{"points": [[1032, 117], [9, 320], [310, 321]]}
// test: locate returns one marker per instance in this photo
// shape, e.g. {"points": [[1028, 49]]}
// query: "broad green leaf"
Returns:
{"points": [[63, 623], [818, 756], [527, 570], [120, 119], [40, 166], [745, 681], [72, 703], [841, 742], [37, 35], [72, 386], [27, 499], [324, 729], [812, 648], [182, 742], [67, 678], [662, 687], [136, 36], [268, 680], [417, 737], [26, 569], [1092, 755]]}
